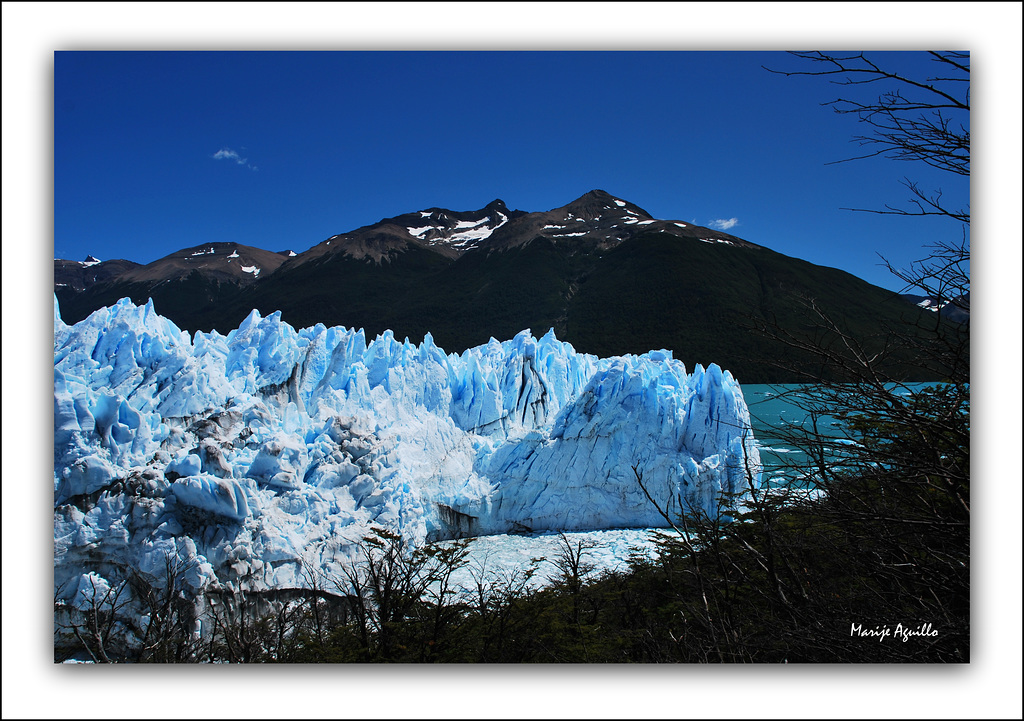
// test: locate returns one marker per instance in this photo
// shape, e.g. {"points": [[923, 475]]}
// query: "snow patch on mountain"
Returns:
{"points": [[933, 304], [463, 235]]}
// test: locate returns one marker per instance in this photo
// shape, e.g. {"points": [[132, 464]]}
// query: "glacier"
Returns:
{"points": [[260, 459]]}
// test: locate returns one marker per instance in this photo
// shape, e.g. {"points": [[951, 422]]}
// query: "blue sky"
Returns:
{"points": [[157, 151]]}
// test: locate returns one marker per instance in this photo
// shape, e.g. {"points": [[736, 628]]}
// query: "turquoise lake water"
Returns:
{"points": [[771, 409]]}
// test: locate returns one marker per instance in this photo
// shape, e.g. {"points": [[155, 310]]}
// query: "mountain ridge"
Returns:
{"points": [[600, 271]]}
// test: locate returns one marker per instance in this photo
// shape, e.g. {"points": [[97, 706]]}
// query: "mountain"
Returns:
{"points": [[601, 220], [601, 271], [220, 262], [446, 232], [595, 218], [77, 275], [180, 283]]}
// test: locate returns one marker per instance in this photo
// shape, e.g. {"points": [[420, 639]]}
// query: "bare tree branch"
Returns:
{"points": [[918, 120]]}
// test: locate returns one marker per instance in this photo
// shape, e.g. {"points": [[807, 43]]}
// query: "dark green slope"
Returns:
{"points": [[190, 302], [334, 290], [704, 300], [461, 303], [341, 290], [494, 294]]}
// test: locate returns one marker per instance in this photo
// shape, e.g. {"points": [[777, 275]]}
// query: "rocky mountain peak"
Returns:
{"points": [[599, 205]]}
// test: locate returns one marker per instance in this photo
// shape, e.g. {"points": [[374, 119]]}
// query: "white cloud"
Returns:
{"points": [[722, 224], [229, 154]]}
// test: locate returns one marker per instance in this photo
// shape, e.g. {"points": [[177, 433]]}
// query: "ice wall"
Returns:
{"points": [[266, 454]]}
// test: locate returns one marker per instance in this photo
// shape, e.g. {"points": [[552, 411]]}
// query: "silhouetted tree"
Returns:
{"points": [[889, 460]]}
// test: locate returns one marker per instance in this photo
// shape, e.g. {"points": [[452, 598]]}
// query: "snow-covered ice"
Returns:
{"points": [[494, 558], [266, 454]]}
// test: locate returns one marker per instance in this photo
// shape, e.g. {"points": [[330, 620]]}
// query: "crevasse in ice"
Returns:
{"points": [[264, 456]]}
